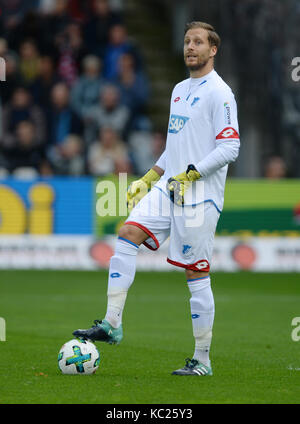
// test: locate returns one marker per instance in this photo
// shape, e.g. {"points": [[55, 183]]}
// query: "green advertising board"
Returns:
{"points": [[252, 207], [261, 207]]}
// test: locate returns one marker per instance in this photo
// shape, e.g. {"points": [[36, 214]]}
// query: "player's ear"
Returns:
{"points": [[213, 51]]}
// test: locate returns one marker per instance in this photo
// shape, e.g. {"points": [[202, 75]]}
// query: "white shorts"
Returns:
{"points": [[191, 229]]}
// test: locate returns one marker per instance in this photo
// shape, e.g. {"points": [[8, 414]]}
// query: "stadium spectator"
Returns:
{"points": [[29, 61], [61, 120], [275, 168], [145, 146], [26, 154], [67, 158], [140, 150], [133, 86], [97, 27], [79, 10], [56, 21], [46, 7], [85, 92], [29, 28], [108, 112], [71, 50], [118, 44], [22, 108], [108, 154], [43, 84], [12, 14], [46, 169], [13, 77]]}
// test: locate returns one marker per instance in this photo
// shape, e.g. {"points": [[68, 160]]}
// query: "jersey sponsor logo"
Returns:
{"points": [[227, 113], [227, 133], [176, 123], [177, 99]]}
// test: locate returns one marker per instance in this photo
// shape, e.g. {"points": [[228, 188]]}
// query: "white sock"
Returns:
{"points": [[121, 275], [203, 311]]}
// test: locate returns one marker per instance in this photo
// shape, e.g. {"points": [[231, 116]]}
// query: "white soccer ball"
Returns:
{"points": [[78, 356]]}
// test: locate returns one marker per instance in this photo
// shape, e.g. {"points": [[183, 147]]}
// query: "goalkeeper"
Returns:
{"points": [[181, 197]]}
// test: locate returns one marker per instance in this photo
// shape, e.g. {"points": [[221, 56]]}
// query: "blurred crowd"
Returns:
{"points": [[76, 92], [75, 97]]}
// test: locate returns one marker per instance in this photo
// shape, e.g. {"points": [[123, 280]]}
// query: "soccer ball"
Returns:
{"points": [[78, 356]]}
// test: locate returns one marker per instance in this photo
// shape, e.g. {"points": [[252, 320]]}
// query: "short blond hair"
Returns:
{"points": [[213, 37]]}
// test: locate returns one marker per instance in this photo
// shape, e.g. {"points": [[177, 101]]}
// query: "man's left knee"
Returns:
{"points": [[190, 274]]}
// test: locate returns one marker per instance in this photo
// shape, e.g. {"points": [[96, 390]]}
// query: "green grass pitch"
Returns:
{"points": [[253, 356]]}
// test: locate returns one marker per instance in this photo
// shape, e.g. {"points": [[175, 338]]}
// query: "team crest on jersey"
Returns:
{"points": [[177, 122], [195, 100]]}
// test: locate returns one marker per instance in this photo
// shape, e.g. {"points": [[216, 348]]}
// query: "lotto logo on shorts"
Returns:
{"points": [[228, 133], [201, 265], [177, 122]]}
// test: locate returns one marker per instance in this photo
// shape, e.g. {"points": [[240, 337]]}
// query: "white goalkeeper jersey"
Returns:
{"points": [[203, 131]]}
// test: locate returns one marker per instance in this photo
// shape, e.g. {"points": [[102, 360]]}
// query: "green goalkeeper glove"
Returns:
{"points": [[177, 186], [139, 188]]}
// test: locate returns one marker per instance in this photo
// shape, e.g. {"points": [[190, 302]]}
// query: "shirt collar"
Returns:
{"points": [[201, 79]]}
